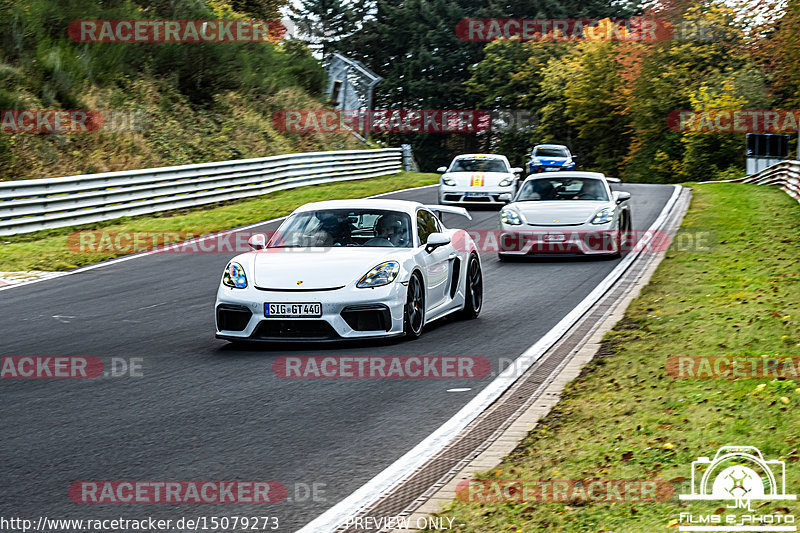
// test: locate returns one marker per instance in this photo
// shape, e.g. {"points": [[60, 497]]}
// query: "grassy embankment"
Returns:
{"points": [[624, 417], [162, 103]]}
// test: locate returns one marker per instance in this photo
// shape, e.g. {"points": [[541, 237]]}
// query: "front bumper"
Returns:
{"points": [[475, 195], [347, 313], [585, 239], [537, 169]]}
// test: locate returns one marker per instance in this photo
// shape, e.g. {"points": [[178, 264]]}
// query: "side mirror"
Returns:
{"points": [[516, 170], [257, 241], [435, 240], [441, 170], [621, 196], [574, 158]]}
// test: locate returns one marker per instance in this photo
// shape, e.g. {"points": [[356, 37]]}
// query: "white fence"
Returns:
{"points": [[30, 205]]}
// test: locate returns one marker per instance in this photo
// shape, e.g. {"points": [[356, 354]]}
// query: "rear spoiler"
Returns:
{"points": [[613, 180], [453, 210]]}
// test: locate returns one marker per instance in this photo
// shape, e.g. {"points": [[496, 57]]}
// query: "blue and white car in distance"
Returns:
{"points": [[550, 158]]}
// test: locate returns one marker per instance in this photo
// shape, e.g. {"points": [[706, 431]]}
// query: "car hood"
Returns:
{"points": [[489, 179], [558, 212], [316, 268]]}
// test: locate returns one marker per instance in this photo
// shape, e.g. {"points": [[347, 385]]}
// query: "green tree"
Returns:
{"points": [[671, 78], [413, 45], [325, 23], [779, 51]]}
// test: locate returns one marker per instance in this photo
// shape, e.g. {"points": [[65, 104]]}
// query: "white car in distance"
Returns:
{"points": [[478, 179]]}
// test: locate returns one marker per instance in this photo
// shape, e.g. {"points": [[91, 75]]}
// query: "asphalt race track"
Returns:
{"points": [[205, 411]]}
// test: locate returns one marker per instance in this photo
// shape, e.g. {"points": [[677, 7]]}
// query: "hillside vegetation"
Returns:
{"points": [[170, 103]]}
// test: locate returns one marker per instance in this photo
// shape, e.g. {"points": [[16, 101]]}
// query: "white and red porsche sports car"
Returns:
{"points": [[478, 179]]}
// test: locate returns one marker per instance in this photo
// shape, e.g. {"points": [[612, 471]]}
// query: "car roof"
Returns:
{"points": [[488, 156], [567, 174], [404, 206], [550, 146]]}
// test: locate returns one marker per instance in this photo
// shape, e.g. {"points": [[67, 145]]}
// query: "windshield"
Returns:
{"points": [[562, 189], [478, 165], [344, 227], [550, 152]]}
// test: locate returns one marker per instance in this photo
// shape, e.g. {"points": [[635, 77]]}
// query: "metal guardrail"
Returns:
{"points": [[785, 175], [31, 205]]}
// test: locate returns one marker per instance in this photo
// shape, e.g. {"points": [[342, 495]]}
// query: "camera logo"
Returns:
{"points": [[738, 475]]}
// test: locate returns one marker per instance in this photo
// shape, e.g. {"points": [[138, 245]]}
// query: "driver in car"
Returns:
{"points": [[391, 228], [334, 231], [590, 190]]}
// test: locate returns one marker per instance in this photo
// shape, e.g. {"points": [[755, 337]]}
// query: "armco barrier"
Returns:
{"points": [[30, 205], [785, 175]]}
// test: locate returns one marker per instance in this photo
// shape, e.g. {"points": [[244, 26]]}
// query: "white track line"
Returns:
{"points": [[176, 245], [334, 517]]}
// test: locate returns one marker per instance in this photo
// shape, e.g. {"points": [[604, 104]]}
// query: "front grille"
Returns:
{"points": [[300, 290], [452, 197], [232, 317], [368, 317], [280, 329]]}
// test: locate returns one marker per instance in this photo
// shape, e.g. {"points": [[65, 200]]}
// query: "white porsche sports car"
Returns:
{"points": [[478, 178], [566, 212], [350, 269]]}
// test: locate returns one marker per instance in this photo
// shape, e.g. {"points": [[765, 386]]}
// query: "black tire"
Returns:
{"points": [[414, 310], [473, 287]]}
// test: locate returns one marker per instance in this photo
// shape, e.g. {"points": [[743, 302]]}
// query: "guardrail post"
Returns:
{"points": [[409, 165]]}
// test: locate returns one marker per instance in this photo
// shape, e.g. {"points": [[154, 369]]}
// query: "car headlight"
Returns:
{"points": [[382, 274], [505, 183], [449, 181], [604, 216], [510, 217], [234, 276]]}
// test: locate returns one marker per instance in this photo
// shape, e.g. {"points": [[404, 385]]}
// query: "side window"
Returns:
{"points": [[426, 224], [436, 223]]}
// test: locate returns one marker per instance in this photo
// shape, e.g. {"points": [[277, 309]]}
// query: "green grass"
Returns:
{"points": [[48, 250], [625, 418]]}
